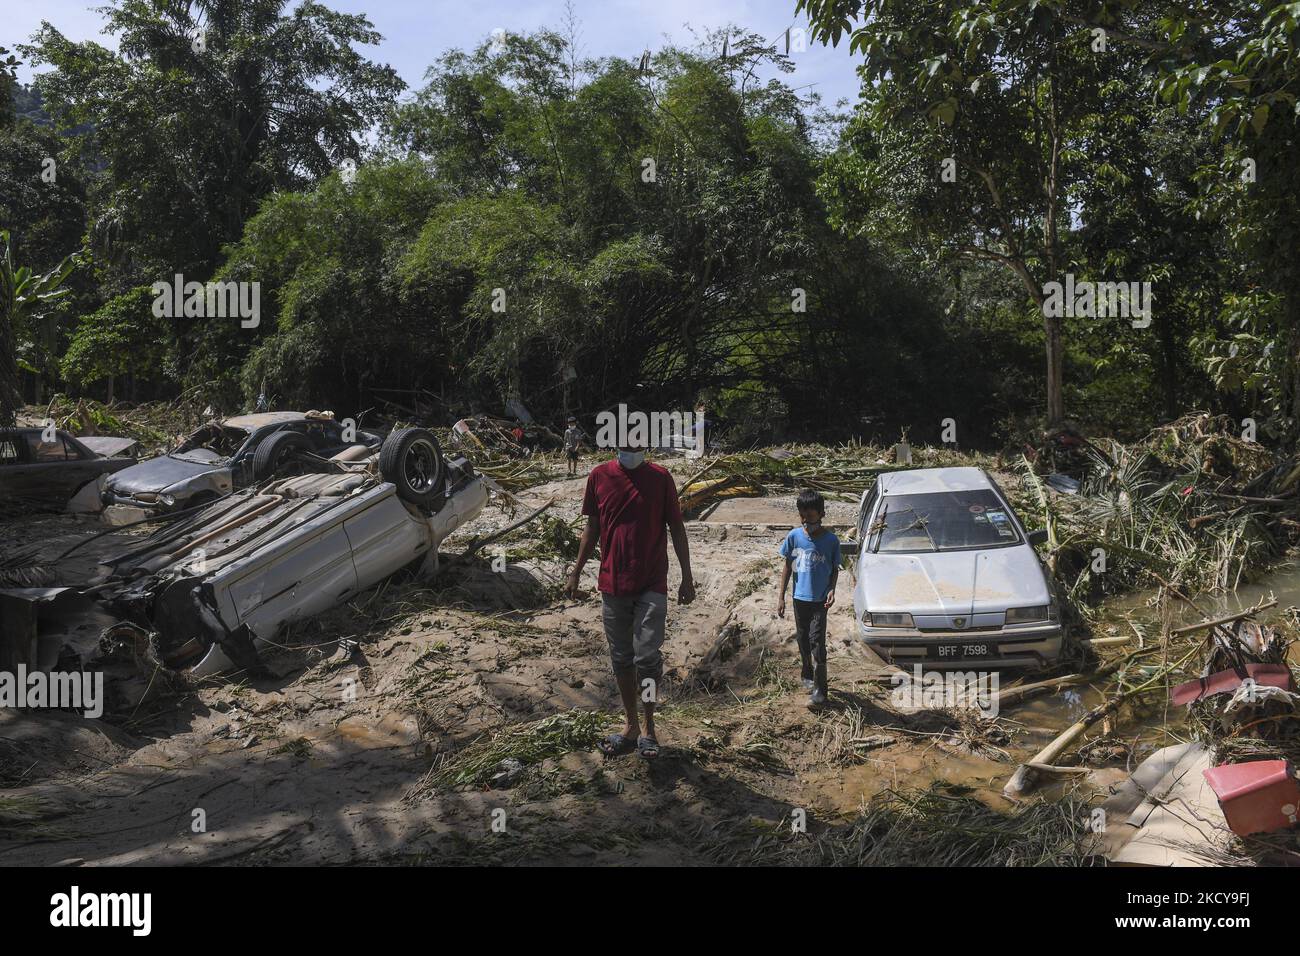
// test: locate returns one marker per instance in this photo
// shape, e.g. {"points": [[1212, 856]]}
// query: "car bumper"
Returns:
{"points": [[151, 505], [1036, 647]]}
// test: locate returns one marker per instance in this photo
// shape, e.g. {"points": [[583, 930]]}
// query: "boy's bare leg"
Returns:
{"points": [[627, 690]]}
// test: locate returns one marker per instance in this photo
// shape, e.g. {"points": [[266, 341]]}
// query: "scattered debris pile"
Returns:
{"points": [[1211, 799], [1244, 709], [155, 425], [944, 825], [846, 470], [502, 760], [516, 439], [1191, 503], [1212, 446]]}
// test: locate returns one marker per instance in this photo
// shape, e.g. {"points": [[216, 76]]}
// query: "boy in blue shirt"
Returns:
{"points": [[813, 554]]}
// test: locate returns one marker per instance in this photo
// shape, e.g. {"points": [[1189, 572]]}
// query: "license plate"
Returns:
{"points": [[955, 651]]}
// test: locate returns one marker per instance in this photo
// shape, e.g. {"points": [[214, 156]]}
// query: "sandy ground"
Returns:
{"points": [[327, 762]]}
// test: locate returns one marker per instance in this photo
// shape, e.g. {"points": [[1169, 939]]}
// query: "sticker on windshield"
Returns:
{"points": [[976, 509], [1000, 521]]}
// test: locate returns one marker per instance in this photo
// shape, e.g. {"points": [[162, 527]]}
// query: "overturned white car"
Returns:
{"points": [[209, 588]]}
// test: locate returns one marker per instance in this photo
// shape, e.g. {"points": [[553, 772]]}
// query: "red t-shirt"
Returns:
{"points": [[634, 508]]}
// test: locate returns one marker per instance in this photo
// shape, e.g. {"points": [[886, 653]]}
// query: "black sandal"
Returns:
{"points": [[647, 748], [616, 745]]}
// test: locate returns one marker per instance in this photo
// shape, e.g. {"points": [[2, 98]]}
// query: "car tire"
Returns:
{"points": [[411, 459], [275, 451]]}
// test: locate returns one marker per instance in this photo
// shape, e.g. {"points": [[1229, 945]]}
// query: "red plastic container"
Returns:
{"points": [[1256, 797], [1272, 675]]}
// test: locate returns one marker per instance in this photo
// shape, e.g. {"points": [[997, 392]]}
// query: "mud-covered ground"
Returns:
{"points": [[387, 720]]}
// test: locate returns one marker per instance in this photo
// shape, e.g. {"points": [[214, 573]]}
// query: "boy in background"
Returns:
{"points": [[572, 439], [812, 553]]}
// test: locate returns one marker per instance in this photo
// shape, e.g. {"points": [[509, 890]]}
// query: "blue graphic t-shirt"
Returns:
{"points": [[812, 560]]}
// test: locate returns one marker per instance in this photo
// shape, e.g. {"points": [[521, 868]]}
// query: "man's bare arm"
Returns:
{"points": [[586, 545], [677, 528]]}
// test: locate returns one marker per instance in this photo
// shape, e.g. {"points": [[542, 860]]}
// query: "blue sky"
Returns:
{"points": [[416, 32]]}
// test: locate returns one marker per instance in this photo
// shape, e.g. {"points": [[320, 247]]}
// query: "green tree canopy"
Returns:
{"points": [[207, 106]]}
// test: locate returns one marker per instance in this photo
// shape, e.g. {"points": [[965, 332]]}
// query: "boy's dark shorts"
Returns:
{"points": [[571, 454]]}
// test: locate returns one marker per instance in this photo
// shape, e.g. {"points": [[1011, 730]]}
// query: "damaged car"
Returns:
{"points": [[223, 456], [205, 592], [947, 576], [44, 469]]}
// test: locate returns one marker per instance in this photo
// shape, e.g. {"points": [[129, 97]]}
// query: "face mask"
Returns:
{"points": [[812, 525], [631, 459]]}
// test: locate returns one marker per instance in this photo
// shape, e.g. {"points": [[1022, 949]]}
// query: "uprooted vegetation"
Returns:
{"points": [[515, 749], [1190, 504], [940, 826]]}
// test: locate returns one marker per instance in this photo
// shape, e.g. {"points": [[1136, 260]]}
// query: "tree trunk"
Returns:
{"points": [[1169, 352], [1292, 314], [1055, 371], [11, 398]]}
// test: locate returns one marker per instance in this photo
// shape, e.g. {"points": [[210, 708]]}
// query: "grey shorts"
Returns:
{"points": [[634, 627]]}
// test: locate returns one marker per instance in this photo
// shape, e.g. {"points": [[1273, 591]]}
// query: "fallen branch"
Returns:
{"points": [[1013, 695], [1024, 779], [1251, 500], [1051, 768], [479, 543], [1227, 619], [701, 473], [1018, 693], [1227, 634]]}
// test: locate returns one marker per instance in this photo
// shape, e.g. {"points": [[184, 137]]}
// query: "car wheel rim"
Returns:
{"points": [[421, 466]]}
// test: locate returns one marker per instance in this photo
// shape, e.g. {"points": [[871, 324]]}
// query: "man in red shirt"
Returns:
{"points": [[631, 505]]}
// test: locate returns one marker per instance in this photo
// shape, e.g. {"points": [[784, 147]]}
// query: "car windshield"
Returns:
{"points": [[223, 440], [942, 521]]}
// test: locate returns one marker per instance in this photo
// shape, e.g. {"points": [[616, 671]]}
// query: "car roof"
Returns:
{"points": [[262, 419], [34, 430], [922, 480]]}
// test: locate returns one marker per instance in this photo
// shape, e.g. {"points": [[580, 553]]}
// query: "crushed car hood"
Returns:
{"points": [[107, 446], [159, 473], [953, 582]]}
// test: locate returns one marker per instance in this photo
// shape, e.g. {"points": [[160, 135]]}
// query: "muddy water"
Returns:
{"points": [[1280, 584], [1137, 731], [847, 789], [918, 759], [1155, 723]]}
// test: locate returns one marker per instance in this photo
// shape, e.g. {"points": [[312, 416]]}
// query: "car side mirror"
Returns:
{"points": [[1038, 537]]}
